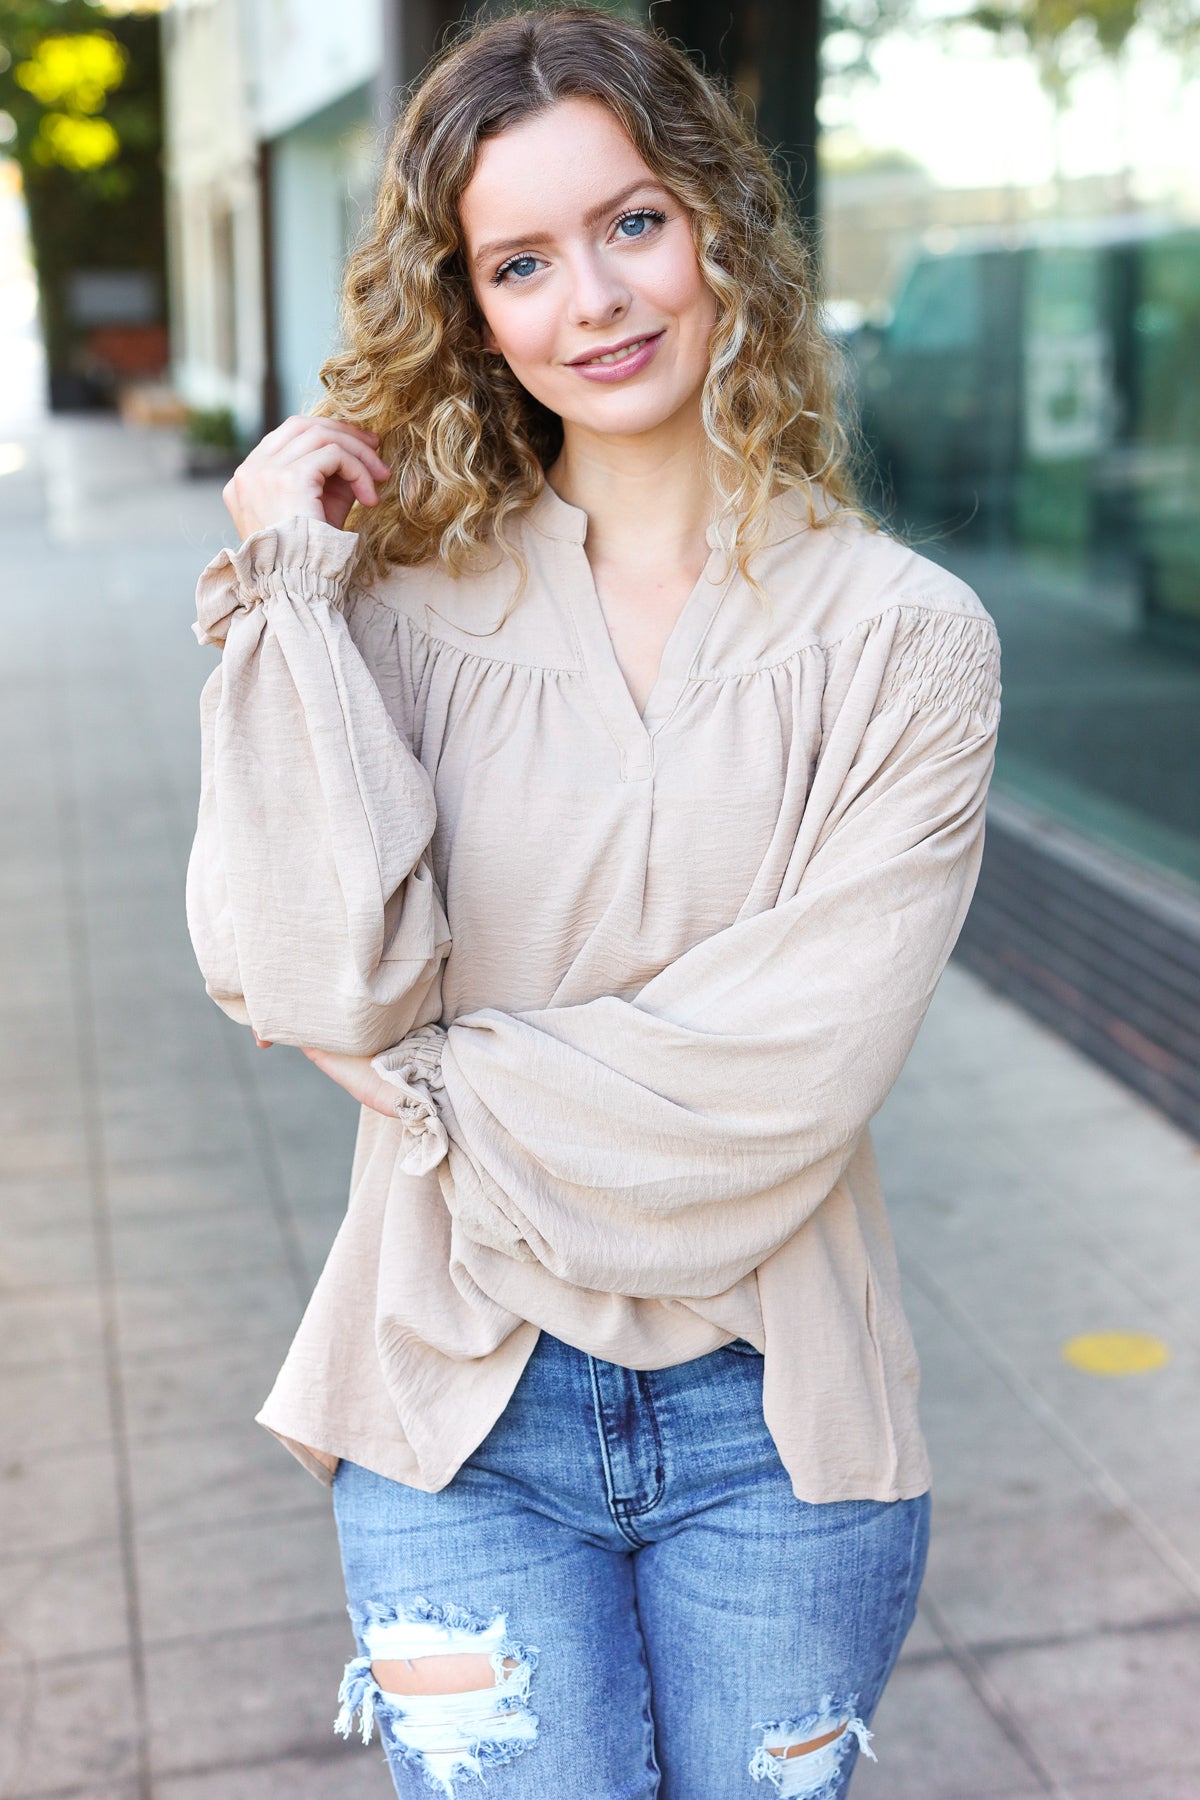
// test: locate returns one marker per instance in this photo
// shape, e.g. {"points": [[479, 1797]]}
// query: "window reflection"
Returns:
{"points": [[1026, 365]]}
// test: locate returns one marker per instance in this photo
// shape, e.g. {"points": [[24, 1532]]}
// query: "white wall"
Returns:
{"points": [[211, 169], [296, 74], [308, 53], [322, 175]]}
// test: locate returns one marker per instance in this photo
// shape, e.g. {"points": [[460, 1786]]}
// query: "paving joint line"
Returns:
{"points": [[83, 1007], [991, 1698]]}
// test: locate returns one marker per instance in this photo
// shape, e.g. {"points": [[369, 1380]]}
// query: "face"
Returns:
{"points": [[576, 250]]}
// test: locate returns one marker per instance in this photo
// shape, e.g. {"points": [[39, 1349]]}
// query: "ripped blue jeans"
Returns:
{"points": [[652, 1613]]}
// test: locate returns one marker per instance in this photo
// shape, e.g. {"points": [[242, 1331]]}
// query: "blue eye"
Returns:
{"points": [[522, 267], [639, 220], [514, 267]]}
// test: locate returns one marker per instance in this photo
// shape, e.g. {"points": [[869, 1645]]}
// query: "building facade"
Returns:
{"points": [[271, 148]]}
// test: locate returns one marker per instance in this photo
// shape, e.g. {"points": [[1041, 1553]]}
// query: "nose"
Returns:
{"points": [[598, 295]]}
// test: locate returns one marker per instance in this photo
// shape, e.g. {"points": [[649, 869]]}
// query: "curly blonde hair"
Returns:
{"points": [[469, 444]]}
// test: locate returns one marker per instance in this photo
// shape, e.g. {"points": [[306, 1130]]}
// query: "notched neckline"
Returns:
{"points": [[634, 732]]}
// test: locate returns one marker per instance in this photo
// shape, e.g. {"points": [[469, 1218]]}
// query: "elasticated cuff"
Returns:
{"points": [[305, 558], [414, 1068]]}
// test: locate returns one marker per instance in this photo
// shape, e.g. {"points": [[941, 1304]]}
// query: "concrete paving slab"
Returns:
{"points": [[935, 1740], [54, 1406], [998, 1578], [42, 1252], [196, 1389], [202, 1244], [1115, 1414], [148, 1189], [135, 1129], [336, 1776], [199, 1314], [922, 1641], [188, 1480], [1117, 1702], [1123, 1160], [1015, 1291], [983, 1442], [64, 1602], [39, 1135], [40, 1326], [51, 1500], [1177, 1783], [191, 1064], [93, 1751], [33, 1021], [29, 1201], [315, 1171], [246, 1696], [249, 1574]]}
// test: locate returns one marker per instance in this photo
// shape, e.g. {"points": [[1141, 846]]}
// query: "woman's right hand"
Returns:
{"points": [[313, 467]]}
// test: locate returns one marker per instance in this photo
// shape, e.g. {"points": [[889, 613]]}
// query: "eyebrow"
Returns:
{"points": [[592, 217]]}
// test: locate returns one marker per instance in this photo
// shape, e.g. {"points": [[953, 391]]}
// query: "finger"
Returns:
{"points": [[263, 1043], [283, 433], [298, 429], [324, 431], [332, 459], [362, 431]]}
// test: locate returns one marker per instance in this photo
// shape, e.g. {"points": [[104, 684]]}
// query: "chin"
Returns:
{"points": [[624, 415]]}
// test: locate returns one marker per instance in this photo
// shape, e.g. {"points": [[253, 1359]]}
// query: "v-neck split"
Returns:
{"points": [[632, 732]]}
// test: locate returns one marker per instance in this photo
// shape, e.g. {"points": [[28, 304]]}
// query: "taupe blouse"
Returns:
{"points": [[639, 981]]}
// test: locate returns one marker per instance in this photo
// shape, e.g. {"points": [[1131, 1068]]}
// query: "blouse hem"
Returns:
{"points": [[322, 1464]]}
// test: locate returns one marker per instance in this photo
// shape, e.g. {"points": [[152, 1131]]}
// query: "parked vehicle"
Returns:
{"points": [[1044, 391]]}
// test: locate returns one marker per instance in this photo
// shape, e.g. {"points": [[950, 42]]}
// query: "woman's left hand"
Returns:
{"points": [[355, 1074]]}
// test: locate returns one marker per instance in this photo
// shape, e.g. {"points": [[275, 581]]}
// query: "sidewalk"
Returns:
{"points": [[173, 1622]]}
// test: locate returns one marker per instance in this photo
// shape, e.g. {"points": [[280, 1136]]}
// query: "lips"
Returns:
{"points": [[611, 354]]}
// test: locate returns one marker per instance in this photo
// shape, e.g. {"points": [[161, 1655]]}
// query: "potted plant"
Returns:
{"points": [[211, 442]]}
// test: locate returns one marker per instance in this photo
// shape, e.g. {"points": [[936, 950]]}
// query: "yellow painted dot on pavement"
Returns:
{"points": [[1116, 1352]]}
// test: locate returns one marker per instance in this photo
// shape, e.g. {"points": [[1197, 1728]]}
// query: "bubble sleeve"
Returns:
{"points": [[310, 900]]}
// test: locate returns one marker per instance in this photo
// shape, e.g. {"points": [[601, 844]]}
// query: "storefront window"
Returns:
{"points": [[1011, 238]]}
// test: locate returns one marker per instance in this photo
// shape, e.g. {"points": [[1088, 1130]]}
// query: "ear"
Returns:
{"points": [[489, 341]]}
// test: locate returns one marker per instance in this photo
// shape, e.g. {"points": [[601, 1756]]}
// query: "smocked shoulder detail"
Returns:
{"points": [[944, 661], [307, 559], [414, 1068]]}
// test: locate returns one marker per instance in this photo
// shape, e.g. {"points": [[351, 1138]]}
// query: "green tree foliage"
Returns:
{"points": [[81, 84], [1065, 36], [1062, 36]]}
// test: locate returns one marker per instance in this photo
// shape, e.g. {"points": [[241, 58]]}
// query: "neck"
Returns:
{"points": [[647, 498]]}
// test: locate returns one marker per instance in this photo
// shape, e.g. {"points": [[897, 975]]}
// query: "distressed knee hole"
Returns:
{"points": [[439, 1674], [803, 1749], [802, 1758], [449, 1689]]}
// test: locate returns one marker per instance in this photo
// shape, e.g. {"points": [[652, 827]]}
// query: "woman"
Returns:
{"points": [[594, 795]]}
